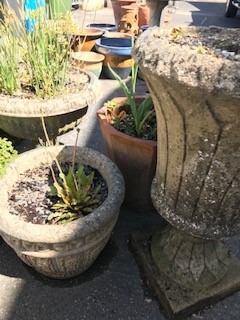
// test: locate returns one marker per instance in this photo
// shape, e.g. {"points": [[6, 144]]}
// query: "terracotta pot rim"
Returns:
{"points": [[102, 115]]}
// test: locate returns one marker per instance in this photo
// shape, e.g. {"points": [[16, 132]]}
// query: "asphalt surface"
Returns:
{"points": [[114, 287]]}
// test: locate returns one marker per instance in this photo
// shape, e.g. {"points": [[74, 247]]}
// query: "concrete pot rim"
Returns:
{"points": [[18, 228], [102, 114], [181, 64], [65, 103]]}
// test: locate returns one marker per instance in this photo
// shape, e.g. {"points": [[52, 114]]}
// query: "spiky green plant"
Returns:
{"points": [[144, 110], [78, 196], [76, 193]]}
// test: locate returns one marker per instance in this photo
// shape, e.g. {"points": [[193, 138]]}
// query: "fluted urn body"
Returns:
{"points": [[194, 78]]}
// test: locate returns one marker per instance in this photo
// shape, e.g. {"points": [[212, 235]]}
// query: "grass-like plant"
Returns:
{"points": [[9, 56], [7, 154], [45, 54], [77, 193], [36, 61], [142, 112]]}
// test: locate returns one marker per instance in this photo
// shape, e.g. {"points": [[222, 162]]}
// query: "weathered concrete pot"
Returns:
{"points": [[196, 95], [61, 251], [21, 117], [136, 158]]}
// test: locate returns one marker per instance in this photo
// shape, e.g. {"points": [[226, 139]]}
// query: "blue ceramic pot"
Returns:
{"points": [[114, 46], [103, 26]]}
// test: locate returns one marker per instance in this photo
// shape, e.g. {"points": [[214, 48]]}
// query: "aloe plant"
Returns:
{"points": [[77, 195], [142, 112]]}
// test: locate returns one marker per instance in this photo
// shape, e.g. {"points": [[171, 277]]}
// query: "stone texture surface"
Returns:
{"points": [[181, 63], [196, 188], [177, 300], [197, 179], [62, 251]]}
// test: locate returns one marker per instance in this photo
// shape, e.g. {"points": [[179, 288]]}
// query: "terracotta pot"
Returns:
{"points": [[129, 20], [21, 117], [85, 39], [61, 251], [136, 158], [89, 61], [143, 15], [117, 4]]}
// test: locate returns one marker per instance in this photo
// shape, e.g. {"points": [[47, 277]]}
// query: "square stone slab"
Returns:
{"points": [[178, 301]]}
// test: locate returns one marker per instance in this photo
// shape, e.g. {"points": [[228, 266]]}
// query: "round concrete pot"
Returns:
{"points": [[196, 95], [136, 158], [61, 251], [21, 117], [89, 61]]}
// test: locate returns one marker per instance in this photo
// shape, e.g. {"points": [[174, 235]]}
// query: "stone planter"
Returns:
{"points": [[21, 117], [61, 251], [196, 95], [136, 158]]}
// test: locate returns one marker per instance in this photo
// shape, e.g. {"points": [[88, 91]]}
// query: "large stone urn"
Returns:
{"points": [[193, 75]]}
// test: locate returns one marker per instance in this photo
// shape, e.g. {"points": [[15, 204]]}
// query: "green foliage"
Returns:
{"points": [[36, 61], [7, 154], [9, 57], [77, 195], [144, 111]]}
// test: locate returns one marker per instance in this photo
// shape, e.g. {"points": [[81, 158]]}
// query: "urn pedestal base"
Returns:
{"points": [[177, 300]]}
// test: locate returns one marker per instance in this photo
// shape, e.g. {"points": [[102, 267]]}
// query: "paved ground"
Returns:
{"points": [[114, 287]]}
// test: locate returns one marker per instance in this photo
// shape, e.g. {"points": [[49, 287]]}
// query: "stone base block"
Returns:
{"points": [[178, 301]]}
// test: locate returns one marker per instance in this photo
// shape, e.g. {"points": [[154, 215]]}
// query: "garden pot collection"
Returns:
{"points": [[136, 158], [61, 251]]}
